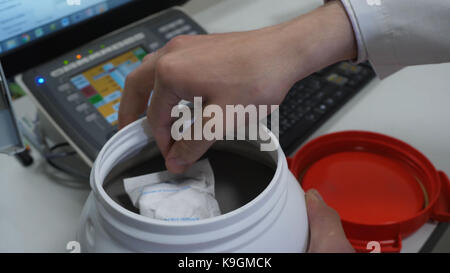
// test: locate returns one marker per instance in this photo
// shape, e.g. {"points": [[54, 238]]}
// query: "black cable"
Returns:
{"points": [[60, 155], [50, 156]]}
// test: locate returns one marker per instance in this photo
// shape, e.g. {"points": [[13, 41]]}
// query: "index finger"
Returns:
{"points": [[138, 86], [159, 115]]}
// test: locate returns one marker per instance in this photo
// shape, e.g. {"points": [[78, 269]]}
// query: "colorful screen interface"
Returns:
{"points": [[103, 84]]}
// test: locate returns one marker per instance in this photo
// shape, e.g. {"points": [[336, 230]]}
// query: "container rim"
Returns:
{"points": [[141, 127]]}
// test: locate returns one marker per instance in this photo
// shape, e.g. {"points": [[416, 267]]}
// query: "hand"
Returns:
{"points": [[327, 234], [255, 67]]}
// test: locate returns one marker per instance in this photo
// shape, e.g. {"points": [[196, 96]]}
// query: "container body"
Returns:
{"points": [[270, 217]]}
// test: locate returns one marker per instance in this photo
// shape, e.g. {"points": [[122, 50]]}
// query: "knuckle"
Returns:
{"points": [[131, 79], [132, 76], [177, 42], [147, 58], [165, 66], [258, 90]]}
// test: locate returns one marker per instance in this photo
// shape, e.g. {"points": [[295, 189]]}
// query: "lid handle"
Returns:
{"points": [[388, 246], [441, 211]]}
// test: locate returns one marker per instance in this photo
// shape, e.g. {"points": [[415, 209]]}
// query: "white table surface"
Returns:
{"points": [[38, 213]]}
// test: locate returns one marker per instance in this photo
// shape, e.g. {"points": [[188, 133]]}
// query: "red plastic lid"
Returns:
{"points": [[366, 188], [382, 188]]}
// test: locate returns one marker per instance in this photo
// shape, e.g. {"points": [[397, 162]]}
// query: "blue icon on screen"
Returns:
{"points": [[11, 44], [65, 22], [39, 32]]}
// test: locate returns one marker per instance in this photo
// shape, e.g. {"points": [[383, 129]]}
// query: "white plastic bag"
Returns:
{"points": [[175, 197]]}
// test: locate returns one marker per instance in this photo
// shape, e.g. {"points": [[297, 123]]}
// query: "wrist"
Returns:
{"points": [[320, 38]]}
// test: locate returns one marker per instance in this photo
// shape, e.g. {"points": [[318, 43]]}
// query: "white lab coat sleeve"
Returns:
{"points": [[392, 34]]}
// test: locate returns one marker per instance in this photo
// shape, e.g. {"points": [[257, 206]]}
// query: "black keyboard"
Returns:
{"points": [[313, 100]]}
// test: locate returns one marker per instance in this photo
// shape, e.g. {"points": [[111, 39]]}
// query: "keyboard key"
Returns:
{"points": [[299, 101], [290, 107], [186, 28], [64, 87], [308, 91], [179, 22], [330, 102], [350, 68], [312, 102], [302, 96], [322, 108], [352, 83], [309, 100], [302, 110], [82, 107], [319, 95], [337, 79], [311, 117], [299, 86], [75, 97], [339, 94], [365, 72], [358, 78], [314, 84], [91, 117], [292, 122], [294, 116]]}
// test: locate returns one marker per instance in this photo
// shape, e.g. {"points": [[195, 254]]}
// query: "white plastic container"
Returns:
{"points": [[260, 215]]}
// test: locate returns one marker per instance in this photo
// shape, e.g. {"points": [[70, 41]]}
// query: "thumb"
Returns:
{"points": [[184, 153], [327, 234]]}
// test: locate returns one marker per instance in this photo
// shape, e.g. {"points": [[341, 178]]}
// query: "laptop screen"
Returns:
{"points": [[25, 21]]}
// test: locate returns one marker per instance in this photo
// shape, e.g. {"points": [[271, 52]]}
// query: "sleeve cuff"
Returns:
{"points": [[373, 35], [362, 52]]}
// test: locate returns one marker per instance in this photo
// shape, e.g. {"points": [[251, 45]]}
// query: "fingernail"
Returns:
{"points": [[176, 161], [176, 165]]}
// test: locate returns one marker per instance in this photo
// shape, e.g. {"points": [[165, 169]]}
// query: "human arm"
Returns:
{"points": [[254, 67]]}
